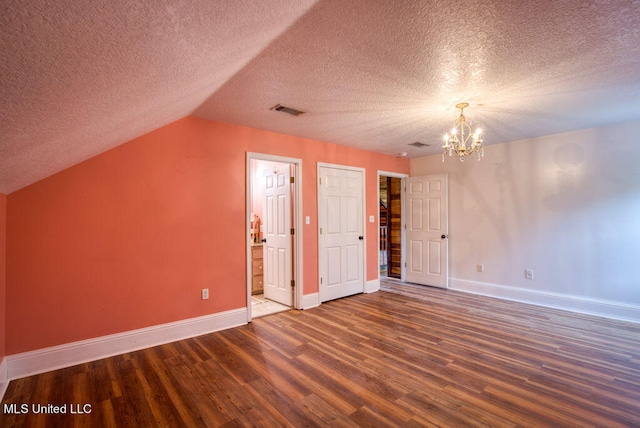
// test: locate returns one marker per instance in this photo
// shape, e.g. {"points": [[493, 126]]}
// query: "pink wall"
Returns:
{"points": [[127, 239], [3, 255]]}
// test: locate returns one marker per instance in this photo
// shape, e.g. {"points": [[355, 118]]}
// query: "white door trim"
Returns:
{"points": [[402, 220], [364, 213], [296, 223]]}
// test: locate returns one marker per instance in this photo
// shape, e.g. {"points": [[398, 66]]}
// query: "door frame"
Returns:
{"points": [[296, 222], [403, 222], [364, 216]]}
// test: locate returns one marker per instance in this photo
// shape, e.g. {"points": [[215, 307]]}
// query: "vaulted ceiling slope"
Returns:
{"points": [[78, 78]]}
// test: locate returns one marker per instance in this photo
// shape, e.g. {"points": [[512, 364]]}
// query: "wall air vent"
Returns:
{"points": [[418, 144], [288, 110]]}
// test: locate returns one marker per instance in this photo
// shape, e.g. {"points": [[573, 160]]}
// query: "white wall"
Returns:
{"points": [[566, 206]]}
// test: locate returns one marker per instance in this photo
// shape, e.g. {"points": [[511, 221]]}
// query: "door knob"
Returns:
{"points": [[361, 237], [265, 239], [444, 237]]}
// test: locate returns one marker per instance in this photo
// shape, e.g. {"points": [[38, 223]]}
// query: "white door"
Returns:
{"points": [[341, 237], [277, 246], [427, 230]]}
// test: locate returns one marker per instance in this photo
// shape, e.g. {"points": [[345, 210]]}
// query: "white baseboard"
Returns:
{"points": [[604, 308], [372, 286], [4, 377], [310, 300], [71, 354]]}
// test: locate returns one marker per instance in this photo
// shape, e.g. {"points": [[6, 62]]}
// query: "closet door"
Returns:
{"points": [[340, 234]]}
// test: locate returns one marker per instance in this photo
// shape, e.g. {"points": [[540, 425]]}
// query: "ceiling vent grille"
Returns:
{"points": [[418, 144], [288, 110]]}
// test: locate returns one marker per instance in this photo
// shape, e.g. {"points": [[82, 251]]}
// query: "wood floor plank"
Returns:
{"points": [[405, 356]]}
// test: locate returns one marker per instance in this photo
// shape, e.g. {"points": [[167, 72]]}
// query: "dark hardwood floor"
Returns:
{"points": [[404, 356]]}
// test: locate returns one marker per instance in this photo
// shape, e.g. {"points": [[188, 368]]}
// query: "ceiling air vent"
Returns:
{"points": [[418, 144], [289, 110]]}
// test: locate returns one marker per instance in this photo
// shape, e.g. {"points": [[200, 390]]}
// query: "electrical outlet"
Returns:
{"points": [[480, 267], [528, 273], [205, 293]]}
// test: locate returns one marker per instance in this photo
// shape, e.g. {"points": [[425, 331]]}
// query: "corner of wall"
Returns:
{"points": [[310, 301], [372, 286], [3, 268]]}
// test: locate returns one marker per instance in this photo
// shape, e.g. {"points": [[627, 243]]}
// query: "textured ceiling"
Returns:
{"points": [[78, 78]]}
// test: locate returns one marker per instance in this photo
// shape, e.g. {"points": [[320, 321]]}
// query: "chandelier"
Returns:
{"points": [[461, 142]]}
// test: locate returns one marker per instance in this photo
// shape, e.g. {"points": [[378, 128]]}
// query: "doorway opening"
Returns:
{"points": [[391, 232], [274, 238]]}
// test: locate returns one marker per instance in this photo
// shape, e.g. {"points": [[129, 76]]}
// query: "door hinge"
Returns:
{"points": [[292, 180], [293, 231], [320, 280], [293, 283], [321, 181], [320, 231]]}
